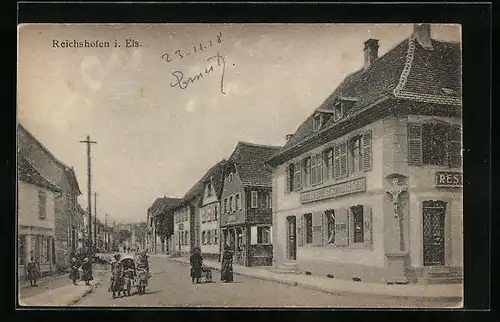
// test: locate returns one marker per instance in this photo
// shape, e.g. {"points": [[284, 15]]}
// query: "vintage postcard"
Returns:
{"points": [[240, 165]]}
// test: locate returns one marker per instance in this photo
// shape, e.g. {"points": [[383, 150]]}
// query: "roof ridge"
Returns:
{"points": [[43, 147], [259, 145]]}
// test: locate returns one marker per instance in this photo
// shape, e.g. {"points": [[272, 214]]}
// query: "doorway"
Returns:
{"points": [[434, 232], [292, 237]]}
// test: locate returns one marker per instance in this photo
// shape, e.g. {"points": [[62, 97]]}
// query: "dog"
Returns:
{"points": [[206, 274]]}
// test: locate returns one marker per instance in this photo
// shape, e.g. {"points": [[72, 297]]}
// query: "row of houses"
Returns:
{"points": [[369, 185], [51, 223]]}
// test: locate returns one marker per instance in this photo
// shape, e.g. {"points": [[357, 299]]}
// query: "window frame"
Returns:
{"points": [[260, 235], [238, 201], [358, 138], [339, 116], [357, 214], [42, 205], [307, 230], [254, 196]]}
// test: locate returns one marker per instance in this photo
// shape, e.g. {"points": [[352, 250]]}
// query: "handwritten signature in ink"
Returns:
{"points": [[183, 82]]}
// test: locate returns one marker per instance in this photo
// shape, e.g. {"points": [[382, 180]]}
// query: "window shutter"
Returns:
{"points": [[367, 150], [455, 146], [298, 170], [287, 179], [317, 224], [414, 144], [300, 231], [253, 235], [341, 228], [368, 224], [343, 159], [336, 161]]}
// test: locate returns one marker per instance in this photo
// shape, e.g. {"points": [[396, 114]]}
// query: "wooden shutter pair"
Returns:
{"points": [[414, 144], [455, 146]]}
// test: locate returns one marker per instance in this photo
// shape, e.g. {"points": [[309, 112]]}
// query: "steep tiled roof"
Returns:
{"points": [[216, 173], [199, 187], [163, 203], [249, 159], [28, 174], [408, 71]]}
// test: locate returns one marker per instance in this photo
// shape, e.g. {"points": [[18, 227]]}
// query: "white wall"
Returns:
{"points": [[28, 206]]}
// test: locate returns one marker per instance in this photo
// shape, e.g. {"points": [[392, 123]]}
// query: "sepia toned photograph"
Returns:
{"points": [[240, 165]]}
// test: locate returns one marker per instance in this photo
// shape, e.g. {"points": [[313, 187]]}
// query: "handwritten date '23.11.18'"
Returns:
{"points": [[199, 48]]}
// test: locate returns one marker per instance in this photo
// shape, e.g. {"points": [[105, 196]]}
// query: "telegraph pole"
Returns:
{"points": [[89, 191], [95, 218]]}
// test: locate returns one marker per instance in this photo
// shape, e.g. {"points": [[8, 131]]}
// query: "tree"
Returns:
{"points": [[123, 235], [164, 228]]}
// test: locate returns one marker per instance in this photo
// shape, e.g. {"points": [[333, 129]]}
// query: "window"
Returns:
{"points": [[262, 200], [230, 177], [290, 171], [328, 157], [307, 171], [338, 112], [317, 122], [209, 189], [263, 235], [215, 237], [316, 169], [434, 143], [355, 155], [225, 205], [42, 205], [270, 200], [238, 201], [330, 226], [308, 228], [216, 212], [297, 176], [357, 218], [231, 203], [203, 215], [254, 199]]}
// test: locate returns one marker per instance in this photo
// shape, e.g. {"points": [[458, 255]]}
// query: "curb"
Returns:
{"points": [[47, 278], [451, 299], [91, 289]]}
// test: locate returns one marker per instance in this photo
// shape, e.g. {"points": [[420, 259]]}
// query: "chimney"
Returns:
{"points": [[371, 51], [288, 137], [422, 33]]}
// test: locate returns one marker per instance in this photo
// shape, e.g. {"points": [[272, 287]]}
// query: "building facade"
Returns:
{"points": [[210, 212], [182, 231], [65, 203], [36, 219], [246, 205], [370, 185], [160, 225]]}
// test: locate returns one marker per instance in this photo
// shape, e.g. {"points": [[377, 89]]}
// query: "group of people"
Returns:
{"points": [[196, 261], [118, 269], [86, 266]]}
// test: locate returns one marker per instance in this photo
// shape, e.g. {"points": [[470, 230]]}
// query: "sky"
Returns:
{"points": [[157, 139]]}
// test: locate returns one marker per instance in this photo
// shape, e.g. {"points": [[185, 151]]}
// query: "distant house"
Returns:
{"points": [[66, 240], [246, 214], [210, 212], [160, 213], [36, 218], [370, 184]]}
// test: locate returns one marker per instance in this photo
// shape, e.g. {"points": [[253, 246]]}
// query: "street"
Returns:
{"points": [[170, 286]]}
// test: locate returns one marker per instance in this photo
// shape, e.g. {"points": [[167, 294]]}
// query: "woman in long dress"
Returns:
{"points": [[227, 265], [74, 274], [87, 271], [196, 261], [32, 271]]}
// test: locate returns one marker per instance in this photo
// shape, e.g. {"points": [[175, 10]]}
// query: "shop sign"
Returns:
{"points": [[336, 190], [449, 179]]}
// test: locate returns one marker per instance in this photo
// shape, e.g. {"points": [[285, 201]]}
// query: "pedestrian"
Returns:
{"points": [[74, 273], [226, 274], [116, 281], [32, 270], [87, 271], [196, 261]]}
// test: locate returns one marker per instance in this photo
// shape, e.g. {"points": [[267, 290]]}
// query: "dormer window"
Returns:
{"points": [[338, 110], [317, 122]]}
